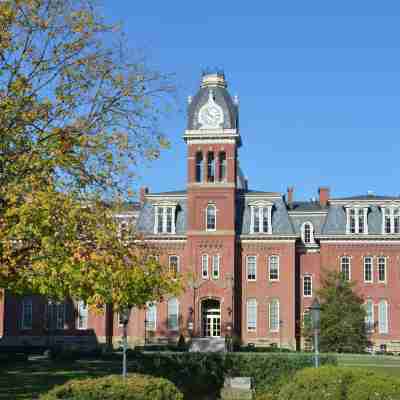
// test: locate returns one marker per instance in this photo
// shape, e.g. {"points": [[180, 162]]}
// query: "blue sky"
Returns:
{"points": [[318, 83]]}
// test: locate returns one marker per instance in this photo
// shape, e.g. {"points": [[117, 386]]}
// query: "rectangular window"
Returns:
{"points": [[368, 271], [352, 220], [252, 315], [26, 318], [82, 315], [222, 166], [60, 324], [382, 269], [256, 211], [345, 268], [211, 216], [215, 267], [204, 266], [168, 220], [56, 315], [251, 268], [260, 219], [173, 314], [151, 317], [369, 316], [199, 167], [383, 317], [307, 286], [174, 265], [274, 316], [160, 219], [265, 217], [211, 167], [273, 268], [361, 220], [396, 220]]}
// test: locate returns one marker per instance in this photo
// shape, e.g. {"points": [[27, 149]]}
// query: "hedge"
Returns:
{"points": [[134, 387], [195, 373], [335, 383]]}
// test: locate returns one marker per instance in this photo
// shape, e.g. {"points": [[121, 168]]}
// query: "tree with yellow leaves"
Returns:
{"points": [[77, 114]]}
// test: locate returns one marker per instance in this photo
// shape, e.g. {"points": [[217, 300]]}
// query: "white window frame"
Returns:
{"points": [[164, 206], [391, 208], [24, 324], [251, 303], [178, 266], [209, 206], [304, 285], [372, 269], [151, 310], [204, 266], [383, 324], [303, 232], [369, 320], [341, 266], [261, 205], [378, 265], [174, 328], [270, 325], [270, 258], [357, 209], [215, 269], [85, 317], [247, 268]]}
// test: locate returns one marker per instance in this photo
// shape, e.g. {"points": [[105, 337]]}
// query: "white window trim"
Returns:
{"points": [[178, 268], [215, 216], [303, 226], [261, 205], [215, 267], [356, 209], [79, 313], [247, 268], [153, 329], [164, 205], [372, 269], [341, 271], [269, 267], [386, 328], [311, 284], [247, 315], [386, 268], [175, 329], [269, 315], [23, 325], [391, 208], [370, 324], [205, 257]]}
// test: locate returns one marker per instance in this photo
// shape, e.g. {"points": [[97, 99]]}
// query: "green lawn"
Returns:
{"points": [[25, 380]]}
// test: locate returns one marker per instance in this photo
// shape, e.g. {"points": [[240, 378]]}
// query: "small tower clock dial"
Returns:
{"points": [[211, 115]]}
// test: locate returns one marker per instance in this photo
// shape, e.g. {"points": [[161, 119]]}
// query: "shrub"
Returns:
{"points": [[134, 387], [374, 387]]}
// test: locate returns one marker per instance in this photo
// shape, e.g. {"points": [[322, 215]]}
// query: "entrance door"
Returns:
{"points": [[211, 313]]}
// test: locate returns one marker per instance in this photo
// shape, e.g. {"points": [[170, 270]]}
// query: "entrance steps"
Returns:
{"points": [[207, 345]]}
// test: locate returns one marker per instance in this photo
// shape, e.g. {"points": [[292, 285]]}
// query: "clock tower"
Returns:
{"points": [[212, 137]]}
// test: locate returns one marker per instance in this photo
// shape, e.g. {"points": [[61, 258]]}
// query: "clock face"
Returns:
{"points": [[211, 115]]}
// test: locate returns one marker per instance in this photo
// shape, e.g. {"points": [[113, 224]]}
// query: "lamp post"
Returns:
{"points": [[190, 325], [315, 320], [125, 314]]}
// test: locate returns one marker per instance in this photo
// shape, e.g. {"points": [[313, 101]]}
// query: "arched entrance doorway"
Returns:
{"points": [[211, 318]]}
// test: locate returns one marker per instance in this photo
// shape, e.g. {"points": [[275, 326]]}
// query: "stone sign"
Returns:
{"points": [[238, 388]]}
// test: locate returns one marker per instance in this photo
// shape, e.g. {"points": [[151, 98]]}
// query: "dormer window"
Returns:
{"points": [[307, 233], [357, 219], [211, 217], [261, 217], [391, 219], [165, 218]]}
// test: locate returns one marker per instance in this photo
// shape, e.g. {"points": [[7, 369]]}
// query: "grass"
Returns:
{"points": [[26, 380]]}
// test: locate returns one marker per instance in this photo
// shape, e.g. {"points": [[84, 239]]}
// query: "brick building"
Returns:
{"points": [[254, 258]]}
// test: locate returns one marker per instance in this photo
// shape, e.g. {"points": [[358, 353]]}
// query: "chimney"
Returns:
{"points": [[323, 196], [290, 191], [143, 192]]}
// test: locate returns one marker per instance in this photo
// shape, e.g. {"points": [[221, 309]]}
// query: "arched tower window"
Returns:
{"points": [[199, 166], [210, 167], [307, 233], [211, 214], [222, 166]]}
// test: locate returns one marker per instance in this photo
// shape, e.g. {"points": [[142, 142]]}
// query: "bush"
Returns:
{"points": [[134, 387], [201, 373], [266, 349], [335, 383]]}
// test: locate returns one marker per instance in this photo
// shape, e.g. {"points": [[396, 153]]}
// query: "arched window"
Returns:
{"points": [[199, 166], [173, 314], [222, 166], [210, 167], [308, 233], [211, 218]]}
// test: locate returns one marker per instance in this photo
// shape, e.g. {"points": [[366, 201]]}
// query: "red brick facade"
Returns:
{"points": [[254, 258]]}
